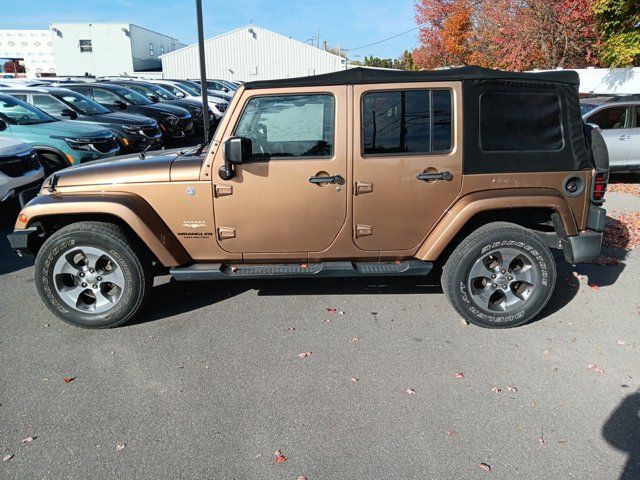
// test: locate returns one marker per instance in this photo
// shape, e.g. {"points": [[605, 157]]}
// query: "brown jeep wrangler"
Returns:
{"points": [[354, 173]]}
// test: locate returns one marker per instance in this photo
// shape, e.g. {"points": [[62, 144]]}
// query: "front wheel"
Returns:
{"points": [[500, 276], [93, 275]]}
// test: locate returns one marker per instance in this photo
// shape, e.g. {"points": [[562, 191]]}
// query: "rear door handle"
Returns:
{"points": [[435, 176], [624, 137], [335, 179]]}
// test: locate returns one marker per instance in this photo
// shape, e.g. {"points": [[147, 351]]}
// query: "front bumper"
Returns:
{"points": [[587, 244], [25, 242]]}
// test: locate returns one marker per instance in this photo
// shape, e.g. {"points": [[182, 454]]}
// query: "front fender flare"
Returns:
{"points": [[470, 205], [129, 208]]}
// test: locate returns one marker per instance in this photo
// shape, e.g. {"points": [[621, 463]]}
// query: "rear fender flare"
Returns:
{"points": [[470, 205], [130, 209]]}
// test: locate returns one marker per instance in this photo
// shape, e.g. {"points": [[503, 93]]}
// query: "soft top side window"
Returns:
{"points": [[289, 126]]}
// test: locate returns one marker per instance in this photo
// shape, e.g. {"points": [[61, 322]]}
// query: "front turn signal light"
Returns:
{"points": [[22, 218]]}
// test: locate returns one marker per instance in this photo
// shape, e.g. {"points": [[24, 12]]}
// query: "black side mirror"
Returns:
{"points": [[180, 94], [154, 98], [67, 112], [3, 125], [225, 89], [237, 150], [120, 104]]}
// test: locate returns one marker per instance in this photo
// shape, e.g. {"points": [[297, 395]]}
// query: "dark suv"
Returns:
{"points": [[156, 94], [134, 132], [175, 122]]}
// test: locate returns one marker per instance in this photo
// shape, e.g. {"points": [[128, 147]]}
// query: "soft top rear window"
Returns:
{"points": [[520, 122]]}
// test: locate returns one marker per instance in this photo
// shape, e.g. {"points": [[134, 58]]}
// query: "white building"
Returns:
{"points": [[103, 49], [28, 51], [251, 53]]}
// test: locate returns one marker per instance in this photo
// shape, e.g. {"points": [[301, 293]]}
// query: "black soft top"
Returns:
{"points": [[361, 75]]}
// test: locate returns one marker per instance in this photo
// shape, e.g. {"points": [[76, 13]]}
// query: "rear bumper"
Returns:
{"points": [[587, 244], [25, 242]]}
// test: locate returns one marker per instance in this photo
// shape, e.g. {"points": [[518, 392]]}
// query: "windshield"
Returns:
{"points": [[229, 85], [83, 104], [189, 89], [159, 92], [132, 96], [586, 108], [17, 112]]}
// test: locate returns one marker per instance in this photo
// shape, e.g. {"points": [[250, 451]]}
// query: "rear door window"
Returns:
{"points": [[49, 104], [105, 96], [611, 118]]}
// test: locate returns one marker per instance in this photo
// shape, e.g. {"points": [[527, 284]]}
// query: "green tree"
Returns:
{"points": [[619, 23]]}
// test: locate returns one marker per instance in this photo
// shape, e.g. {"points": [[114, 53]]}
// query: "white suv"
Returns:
{"points": [[19, 168]]}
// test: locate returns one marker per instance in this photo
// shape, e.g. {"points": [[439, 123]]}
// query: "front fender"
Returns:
{"points": [[129, 208], [470, 205]]}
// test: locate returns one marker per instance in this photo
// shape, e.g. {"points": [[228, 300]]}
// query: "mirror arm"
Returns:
{"points": [[227, 172]]}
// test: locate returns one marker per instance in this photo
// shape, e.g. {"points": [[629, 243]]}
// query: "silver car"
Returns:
{"points": [[619, 120]]}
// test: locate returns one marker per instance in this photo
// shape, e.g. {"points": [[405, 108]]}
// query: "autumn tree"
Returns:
{"points": [[619, 22], [508, 34]]}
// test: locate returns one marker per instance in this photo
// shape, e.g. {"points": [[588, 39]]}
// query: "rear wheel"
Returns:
{"points": [[501, 276], [93, 275]]}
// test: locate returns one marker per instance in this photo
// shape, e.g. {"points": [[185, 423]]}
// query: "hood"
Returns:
{"points": [[13, 147], [70, 128], [167, 109], [124, 119], [119, 171]]}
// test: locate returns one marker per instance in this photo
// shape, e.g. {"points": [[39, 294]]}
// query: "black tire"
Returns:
{"points": [[476, 253], [52, 162], [129, 255]]}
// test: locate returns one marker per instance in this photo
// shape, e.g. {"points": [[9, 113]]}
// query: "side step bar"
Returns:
{"points": [[222, 271]]}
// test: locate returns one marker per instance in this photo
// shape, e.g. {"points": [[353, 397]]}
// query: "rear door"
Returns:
{"points": [[404, 133], [278, 202], [615, 123], [634, 141]]}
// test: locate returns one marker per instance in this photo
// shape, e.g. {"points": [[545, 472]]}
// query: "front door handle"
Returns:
{"points": [[435, 176], [335, 179], [625, 137]]}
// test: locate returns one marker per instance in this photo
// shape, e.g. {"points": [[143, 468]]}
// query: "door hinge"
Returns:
{"points": [[363, 230], [226, 232], [223, 190], [362, 187]]}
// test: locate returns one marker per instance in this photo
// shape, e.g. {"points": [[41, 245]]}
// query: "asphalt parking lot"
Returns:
{"points": [[208, 383]]}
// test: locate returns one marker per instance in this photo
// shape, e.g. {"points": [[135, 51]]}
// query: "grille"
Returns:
{"points": [[150, 130], [197, 113], [105, 145], [18, 165]]}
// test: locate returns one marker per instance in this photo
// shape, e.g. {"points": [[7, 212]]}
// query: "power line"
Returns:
{"points": [[386, 39]]}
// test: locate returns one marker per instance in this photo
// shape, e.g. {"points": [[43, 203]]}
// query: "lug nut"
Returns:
{"points": [[503, 271], [509, 278], [91, 270], [493, 285], [493, 275], [84, 285], [504, 287], [100, 279], [95, 286], [82, 274]]}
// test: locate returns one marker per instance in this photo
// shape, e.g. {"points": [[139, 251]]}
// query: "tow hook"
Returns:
{"points": [[52, 183]]}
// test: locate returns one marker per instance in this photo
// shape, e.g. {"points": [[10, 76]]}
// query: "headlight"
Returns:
{"points": [[132, 128], [172, 119], [78, 143]]}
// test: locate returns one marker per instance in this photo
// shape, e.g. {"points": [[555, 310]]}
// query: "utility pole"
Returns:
{"points": [[203, 72]]}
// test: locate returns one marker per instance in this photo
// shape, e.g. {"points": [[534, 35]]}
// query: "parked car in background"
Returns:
{"points": [[220, 85], [180, 90], [133, 132], [619, 120], [156, 93], [19, 168], [60, 143], [224, 94], [175, 122]]}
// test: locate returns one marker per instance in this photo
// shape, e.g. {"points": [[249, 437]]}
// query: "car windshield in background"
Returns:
{"points": [[17, 112], [133, 97], [85, 105], [586, 108], [189, 89], [160, 92]]}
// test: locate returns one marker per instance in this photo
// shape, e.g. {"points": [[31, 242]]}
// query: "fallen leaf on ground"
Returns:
{"points": [[496, 390], [622, 231], [622, 342], [463, 321], [595, 368], [302, 478], [120, 446], [541, 440], [304, 354], [546, 353], [280, 458], [459, 375], [630, 188], [604, 261], [45, 325], [6, 458], [578, 276], [258, 455], [411, 391], [354, 379], [512, 389], [594, 287], [354, 339], [332, 310], [28, 440], [69, 379], [291, 329], [451, 432], [485, 467]]}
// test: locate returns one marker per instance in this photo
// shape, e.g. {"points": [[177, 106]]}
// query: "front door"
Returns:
{"points": [[279, 202], [615, 124], [407, 162]]}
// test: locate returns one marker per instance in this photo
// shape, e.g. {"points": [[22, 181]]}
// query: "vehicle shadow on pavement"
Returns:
{"points": [[9, 261], [622, 432]]}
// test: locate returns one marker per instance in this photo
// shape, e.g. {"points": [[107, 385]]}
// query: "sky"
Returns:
{"points": [[348, 23]]}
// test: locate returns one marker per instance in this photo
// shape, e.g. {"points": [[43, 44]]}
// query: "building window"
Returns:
{"points": [[406, 122], [151, 50], [85, 46], [161, 49]]}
